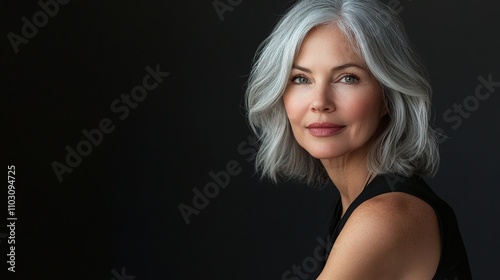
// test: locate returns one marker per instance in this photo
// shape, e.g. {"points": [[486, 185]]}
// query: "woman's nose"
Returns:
{"points": [[322, 99]]}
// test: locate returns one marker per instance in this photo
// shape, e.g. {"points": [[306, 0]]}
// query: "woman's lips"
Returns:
{"points": [[324, 129]]}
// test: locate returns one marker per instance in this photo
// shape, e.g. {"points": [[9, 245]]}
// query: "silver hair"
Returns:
{"points": [[406, 146]]}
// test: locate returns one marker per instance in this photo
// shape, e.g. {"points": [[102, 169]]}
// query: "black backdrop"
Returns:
{"points": [[113, 212]]}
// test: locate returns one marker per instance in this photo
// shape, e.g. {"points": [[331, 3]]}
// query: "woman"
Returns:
{"points": [[336, 93]]}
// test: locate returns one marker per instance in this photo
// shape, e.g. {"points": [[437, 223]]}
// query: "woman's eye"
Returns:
{"points": [[300, 80], [349, 79]]}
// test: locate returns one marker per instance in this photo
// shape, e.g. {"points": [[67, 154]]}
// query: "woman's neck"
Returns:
{"points": [[349, 174]]}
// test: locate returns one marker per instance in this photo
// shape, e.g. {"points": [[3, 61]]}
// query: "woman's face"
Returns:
{"points": [[333, 103]]}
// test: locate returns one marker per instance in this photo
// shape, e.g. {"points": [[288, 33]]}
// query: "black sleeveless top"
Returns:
{"points": [[453, 263]]}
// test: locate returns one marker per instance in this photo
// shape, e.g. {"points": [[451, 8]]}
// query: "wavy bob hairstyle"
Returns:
{"points": [[406, 146]]}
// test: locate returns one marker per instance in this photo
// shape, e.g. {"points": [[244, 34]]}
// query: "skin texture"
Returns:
{"points": [[391, 236]]}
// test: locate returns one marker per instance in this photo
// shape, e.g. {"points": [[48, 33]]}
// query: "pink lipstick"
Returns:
{"points": [[324, 129]]}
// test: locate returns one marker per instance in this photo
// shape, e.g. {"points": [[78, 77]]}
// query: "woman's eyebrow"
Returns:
{"points": [[336, 68]]}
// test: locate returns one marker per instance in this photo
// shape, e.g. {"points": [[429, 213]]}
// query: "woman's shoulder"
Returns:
{"points": [[396, 232], [402, 202], [398, 209], [395, 205]]}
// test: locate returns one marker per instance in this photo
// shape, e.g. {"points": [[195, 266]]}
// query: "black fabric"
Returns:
{"points": [[454, 262]]}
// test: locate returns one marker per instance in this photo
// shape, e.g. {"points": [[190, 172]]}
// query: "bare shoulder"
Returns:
{"points": [[390, 236], [401, 222], [401, 211]]}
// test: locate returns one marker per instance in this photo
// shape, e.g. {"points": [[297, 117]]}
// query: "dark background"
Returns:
{"points": [[116, 214]]}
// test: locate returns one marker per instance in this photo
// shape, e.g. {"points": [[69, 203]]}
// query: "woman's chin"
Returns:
{"points": [[325, 154]]}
